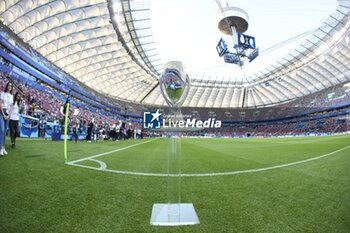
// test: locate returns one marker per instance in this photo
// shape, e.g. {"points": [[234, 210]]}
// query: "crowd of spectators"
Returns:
{"points": [[331, 125], [48, 108]]}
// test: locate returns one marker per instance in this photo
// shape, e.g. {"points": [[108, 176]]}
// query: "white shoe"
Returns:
{"points": [[1, 152], [4, 151]]}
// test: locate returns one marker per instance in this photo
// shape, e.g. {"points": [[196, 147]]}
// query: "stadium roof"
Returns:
{"points": [[109, 46]]}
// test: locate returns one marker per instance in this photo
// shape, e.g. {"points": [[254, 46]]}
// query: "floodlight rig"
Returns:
{"points": [[234, 22]]}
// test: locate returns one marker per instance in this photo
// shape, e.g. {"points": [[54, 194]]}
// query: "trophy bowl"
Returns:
{"points": [[174, 83]]}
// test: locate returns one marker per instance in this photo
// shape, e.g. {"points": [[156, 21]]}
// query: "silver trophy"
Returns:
{"points": [[174, 85]]}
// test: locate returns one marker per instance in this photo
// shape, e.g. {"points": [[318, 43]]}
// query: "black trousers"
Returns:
{"points": [[13, 131], [88, 137]]}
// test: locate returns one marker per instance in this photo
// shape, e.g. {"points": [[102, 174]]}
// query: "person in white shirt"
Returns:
{"points": [[14, 119], [6, 102]]}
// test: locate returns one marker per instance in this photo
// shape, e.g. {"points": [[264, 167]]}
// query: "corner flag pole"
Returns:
{"points": [[65, 133], [66, 128]]}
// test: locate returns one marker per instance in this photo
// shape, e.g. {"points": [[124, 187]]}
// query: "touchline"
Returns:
{"points": [[210, 123]]}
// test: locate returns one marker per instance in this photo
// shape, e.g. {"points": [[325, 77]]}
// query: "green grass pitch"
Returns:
{"points": [[39, 193]]}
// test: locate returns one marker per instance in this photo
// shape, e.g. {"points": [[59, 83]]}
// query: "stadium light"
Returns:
{"points": [[234, 22]]}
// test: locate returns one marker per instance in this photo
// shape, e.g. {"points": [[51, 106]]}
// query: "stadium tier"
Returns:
{"points": [[40, 81]]}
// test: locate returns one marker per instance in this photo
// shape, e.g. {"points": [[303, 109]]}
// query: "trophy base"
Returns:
{"points": [[175, 214]]}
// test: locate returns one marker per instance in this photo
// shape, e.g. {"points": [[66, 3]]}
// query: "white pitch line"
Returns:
{"points": [[103, 165], [212, 174], [109, 152], [123, 172], [267, 168]]}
